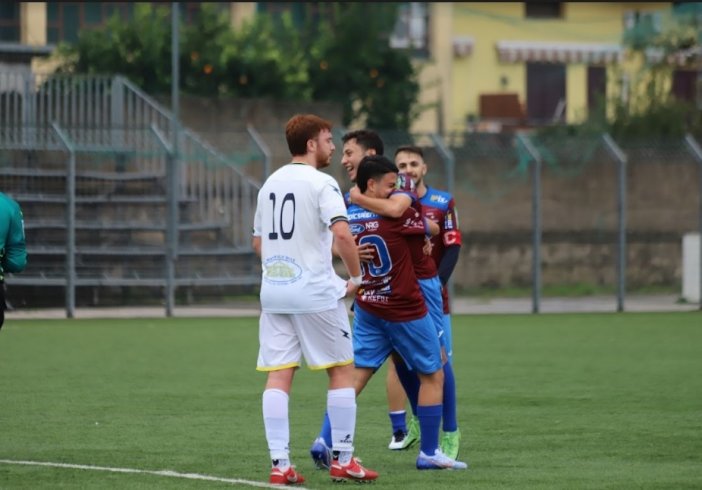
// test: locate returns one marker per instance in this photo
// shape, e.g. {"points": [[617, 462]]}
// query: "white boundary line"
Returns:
{"points": [[169, 473]]}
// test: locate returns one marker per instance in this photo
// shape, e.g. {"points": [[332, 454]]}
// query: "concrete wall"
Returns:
{"points": [[579, 203]]}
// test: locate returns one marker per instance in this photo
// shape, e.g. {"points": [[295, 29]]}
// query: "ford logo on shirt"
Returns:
{"points": [[357, 228]]}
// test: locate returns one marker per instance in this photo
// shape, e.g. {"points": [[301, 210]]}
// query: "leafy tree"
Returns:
{"points": [[140, 49], [344, 58], [203, 63], [354, 64], [267, 60], [650, 111]]}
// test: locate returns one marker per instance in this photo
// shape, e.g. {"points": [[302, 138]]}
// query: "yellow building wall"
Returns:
{"points": [[450, 85], [434, 73], [33, 23], [490, 22], [241, 12]]}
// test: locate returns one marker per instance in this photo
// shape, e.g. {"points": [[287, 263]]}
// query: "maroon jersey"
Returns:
{"points": [[389, 289], [424, 266], [440, 207]]}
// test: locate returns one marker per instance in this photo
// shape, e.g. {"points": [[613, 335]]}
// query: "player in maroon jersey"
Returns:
{"points": [[391, 315], [439, 206], [434, 207]]}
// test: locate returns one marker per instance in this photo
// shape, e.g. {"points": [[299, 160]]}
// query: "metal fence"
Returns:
{"points": [[116, 195], [553, 215]]}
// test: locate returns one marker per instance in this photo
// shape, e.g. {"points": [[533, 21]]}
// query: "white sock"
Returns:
{"points": [[275, 420], [341, 407], [281, 464]]}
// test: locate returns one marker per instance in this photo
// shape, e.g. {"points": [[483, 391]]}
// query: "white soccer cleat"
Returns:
{"points": [[439, 461]]}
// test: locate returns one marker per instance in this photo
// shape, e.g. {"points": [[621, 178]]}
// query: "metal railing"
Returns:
{"points": [[536, 211], [119, 155]]}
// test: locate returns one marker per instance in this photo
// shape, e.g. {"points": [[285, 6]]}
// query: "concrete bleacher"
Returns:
{"points": [[120, 235], [120, 196]]}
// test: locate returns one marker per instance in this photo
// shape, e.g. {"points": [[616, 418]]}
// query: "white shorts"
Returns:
{"points": [[324, 338]]}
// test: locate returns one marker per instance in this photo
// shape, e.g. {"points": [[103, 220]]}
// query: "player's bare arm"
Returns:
{"points": [[392, 207], [256, 244], [347, 250]]}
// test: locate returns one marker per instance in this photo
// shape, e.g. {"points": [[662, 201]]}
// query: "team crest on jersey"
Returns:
{"points": [[372, 225], [281, 270], [356, 228]]}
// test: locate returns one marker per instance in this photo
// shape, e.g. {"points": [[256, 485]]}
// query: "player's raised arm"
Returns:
{"points": [[392, 207]]}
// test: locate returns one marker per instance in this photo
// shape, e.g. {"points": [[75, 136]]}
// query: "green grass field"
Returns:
{"points": [[594, 401]]}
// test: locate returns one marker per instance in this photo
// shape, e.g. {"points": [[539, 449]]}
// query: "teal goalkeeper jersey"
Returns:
{"points": [[13, 252]]}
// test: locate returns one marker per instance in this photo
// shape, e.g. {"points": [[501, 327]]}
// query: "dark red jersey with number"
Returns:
{"points": [[440, 207], [389, 289]]}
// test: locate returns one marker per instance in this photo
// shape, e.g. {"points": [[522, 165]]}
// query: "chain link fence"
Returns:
{"points": [[602, 218], [113, 208]]}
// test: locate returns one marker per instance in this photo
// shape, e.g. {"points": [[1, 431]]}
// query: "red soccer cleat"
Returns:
{"points": [[287, 477], [351, 472]]}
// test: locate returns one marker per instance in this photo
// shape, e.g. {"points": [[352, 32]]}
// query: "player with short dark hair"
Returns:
{"points": [[391, 315], [405, 435], [358, 144], [439, 206]]}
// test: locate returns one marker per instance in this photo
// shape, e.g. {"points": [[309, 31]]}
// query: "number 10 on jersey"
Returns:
{"points": [[285, 214]]}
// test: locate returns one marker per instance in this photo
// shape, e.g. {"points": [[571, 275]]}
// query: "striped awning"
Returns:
{"points": [[557, 52]]}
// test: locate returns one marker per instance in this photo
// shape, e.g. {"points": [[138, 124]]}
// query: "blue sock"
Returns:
{"points": [[410, 382], [325, 433], [397, 419], [429, 421], [450, 422]]}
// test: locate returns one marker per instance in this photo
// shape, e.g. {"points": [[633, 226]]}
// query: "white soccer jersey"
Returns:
{"points": [[296, 206]]}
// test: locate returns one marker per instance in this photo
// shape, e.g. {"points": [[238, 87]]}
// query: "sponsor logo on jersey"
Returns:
{"points": [[361, 215], [371, 297], [356, 228], [372, 225], [281, 270], [438, 198]]}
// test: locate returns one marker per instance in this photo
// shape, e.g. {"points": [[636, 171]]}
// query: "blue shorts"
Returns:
{"points": [[431, 290], [415, 341]]}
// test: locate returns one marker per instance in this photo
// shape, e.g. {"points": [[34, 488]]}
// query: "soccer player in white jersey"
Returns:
{"points": [[300, 212]]}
